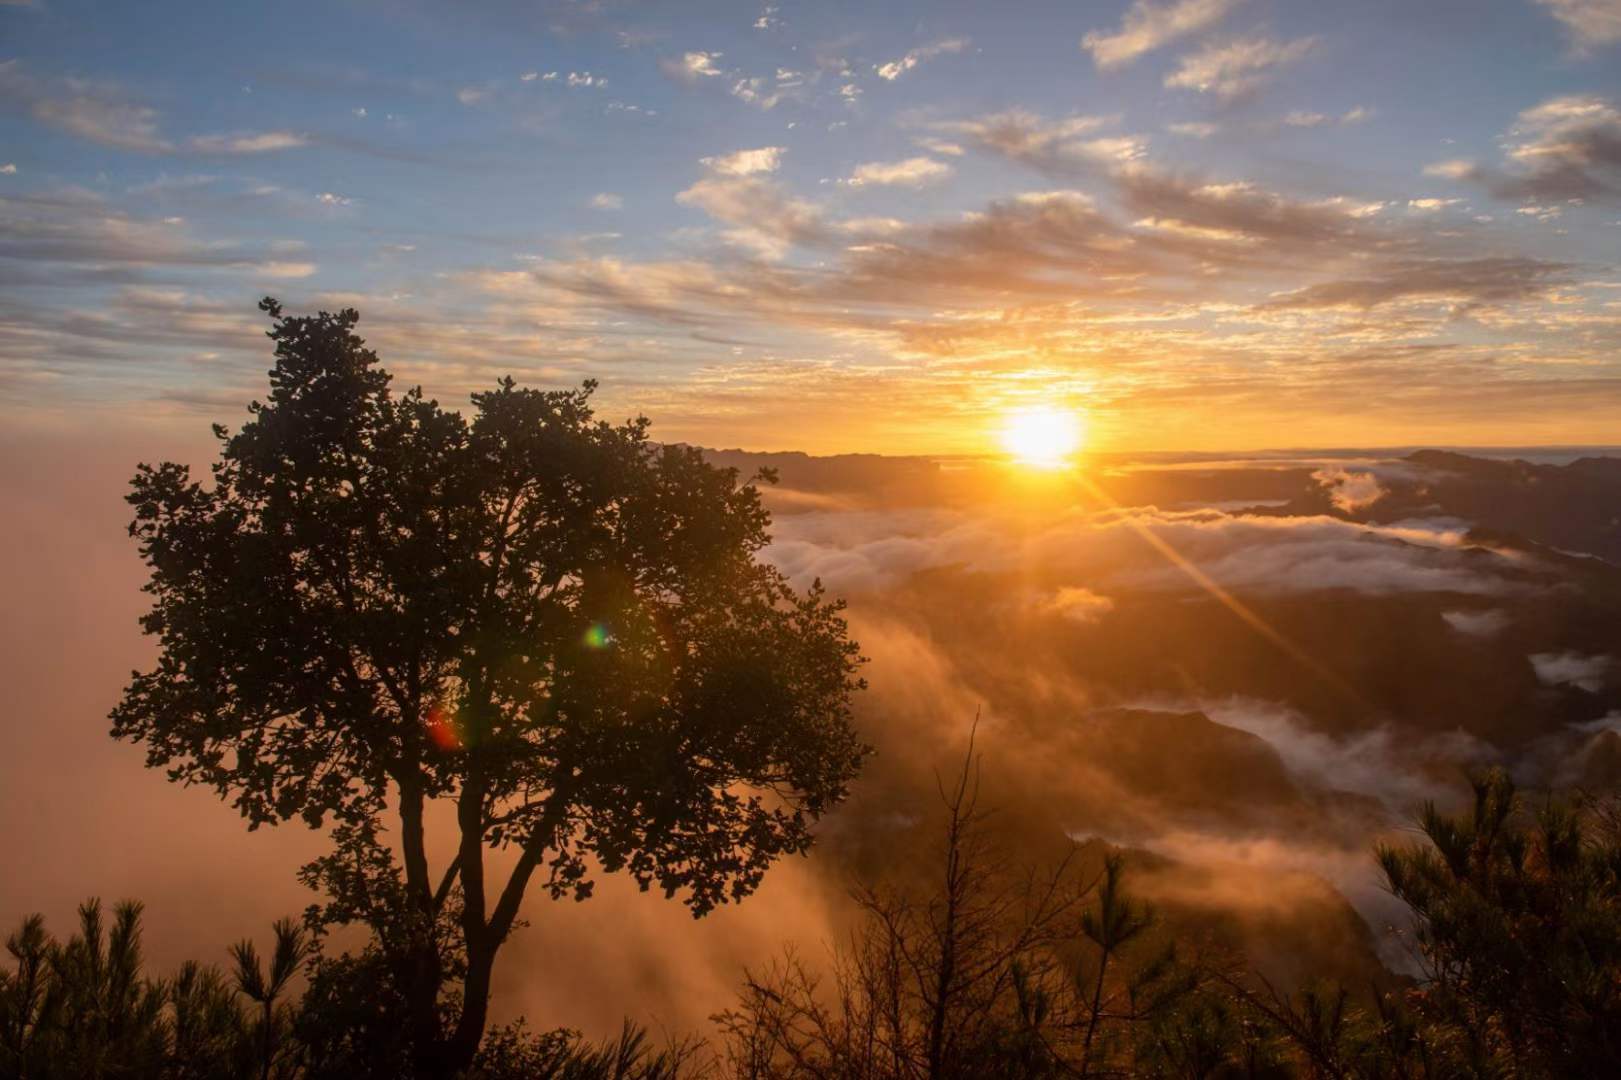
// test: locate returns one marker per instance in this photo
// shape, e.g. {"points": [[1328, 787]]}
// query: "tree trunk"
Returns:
{"points": [[424, 975], [422, 971], [483, 934], [462, 1045]]}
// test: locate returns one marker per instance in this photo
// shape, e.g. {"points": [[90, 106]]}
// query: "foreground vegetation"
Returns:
{"points": [[990, 972]]}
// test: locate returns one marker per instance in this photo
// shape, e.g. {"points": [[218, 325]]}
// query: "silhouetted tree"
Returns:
{"points": [[1517, 930], [267, 988], [1518, 927], [209, 1034], [26, 1005], [544, 619], [98, 1016]]}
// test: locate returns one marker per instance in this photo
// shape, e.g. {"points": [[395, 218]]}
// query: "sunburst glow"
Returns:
{"points": [[1042, 436]]}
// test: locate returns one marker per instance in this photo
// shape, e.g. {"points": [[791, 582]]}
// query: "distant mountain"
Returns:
{"points": [[1573, 508]]}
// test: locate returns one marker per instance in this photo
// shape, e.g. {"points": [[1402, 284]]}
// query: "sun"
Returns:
{"points": [[1042, 436]]}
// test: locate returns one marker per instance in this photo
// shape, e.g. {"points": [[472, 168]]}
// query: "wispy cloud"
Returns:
{"points": [[912, 172], [74, 237], [759, 91], [1049, 145], [894, 69], [102, 112], [1234, 69], [247, 142], [1148, 26], [1572, 668], [1591, 24], [98, 111], [1460, 284], [1193, 129]]}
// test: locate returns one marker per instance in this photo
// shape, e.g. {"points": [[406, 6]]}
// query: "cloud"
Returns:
{"points": [[912, 172], [247, 143], [1306, 556], [1462, 284], [692, 66], [1476, 623], [1147, 26], [1078, 604], [607, 200], [1304, 118], [1430, 205], [1050, 146], [128, 127], [472, 95], [1397, 768], [280, 270], [865, 550], [1566, 148], [86, 234], [1572, 669], [1570, 147], [101, 112], [8, 169], [764, 219], [758, 91], [894, 69], [98, 111], [1050, 244], [1243, 208], [763, 159], [1455, 169], [1193, 129], [1349, 491], [1235, 69], [1591, 24]]}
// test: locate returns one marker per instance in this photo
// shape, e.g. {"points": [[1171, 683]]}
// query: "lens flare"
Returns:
{"points": [[1042, 436], [442, 730], [597, 637]]}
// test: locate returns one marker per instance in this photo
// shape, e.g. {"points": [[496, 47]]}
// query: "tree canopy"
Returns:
{"points": [[546, 619]]}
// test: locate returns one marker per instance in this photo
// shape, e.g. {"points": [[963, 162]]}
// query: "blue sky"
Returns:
{"points": [[1201, 223]]}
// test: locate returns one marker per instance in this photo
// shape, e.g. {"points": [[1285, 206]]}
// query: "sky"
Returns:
{"points": [[1198, 224]]}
